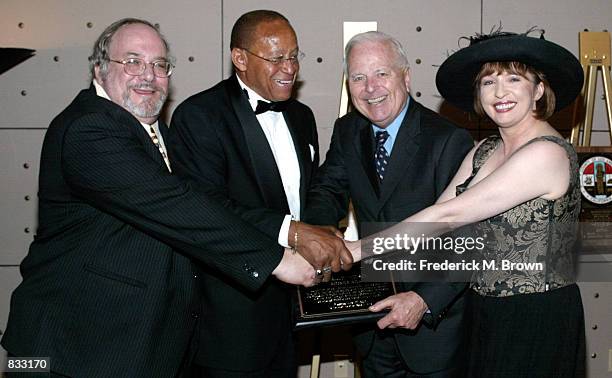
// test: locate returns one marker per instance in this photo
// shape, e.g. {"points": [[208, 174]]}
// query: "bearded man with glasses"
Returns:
{"points": [[255, 149]]}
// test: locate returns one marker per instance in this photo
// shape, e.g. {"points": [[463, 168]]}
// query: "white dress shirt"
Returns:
{"points": [[279, 138]]}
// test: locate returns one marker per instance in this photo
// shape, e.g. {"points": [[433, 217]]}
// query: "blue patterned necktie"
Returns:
{"points": [[381, 157]]}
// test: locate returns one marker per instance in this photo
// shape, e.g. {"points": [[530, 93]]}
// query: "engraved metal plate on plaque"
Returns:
{"points": [[345, 299]]}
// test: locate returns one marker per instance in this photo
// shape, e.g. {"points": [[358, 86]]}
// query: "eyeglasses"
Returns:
{"points": [[293, 59], [136, 67]]}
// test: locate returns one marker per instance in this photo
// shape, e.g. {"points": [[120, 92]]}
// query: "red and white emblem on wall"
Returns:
{"points": [[596, 180]]}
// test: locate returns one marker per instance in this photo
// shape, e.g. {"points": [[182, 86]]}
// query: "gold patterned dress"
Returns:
{"points": [[526, 312]]}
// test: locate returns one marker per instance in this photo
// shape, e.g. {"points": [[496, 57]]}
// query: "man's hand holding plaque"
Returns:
{"points": [[406, 310]]}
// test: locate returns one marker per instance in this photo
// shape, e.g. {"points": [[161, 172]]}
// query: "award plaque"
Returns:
{"points": [[345, 299], [595, 168]]}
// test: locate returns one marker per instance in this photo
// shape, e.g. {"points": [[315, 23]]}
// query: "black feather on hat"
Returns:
{"points": [[455, 77]]}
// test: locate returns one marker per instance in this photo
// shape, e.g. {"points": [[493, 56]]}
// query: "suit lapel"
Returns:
{"points": [[258, 150], [405, 148], [163, 129], [125, 117], [365, 147], [149, 146], [144, 137], [300, 142]]}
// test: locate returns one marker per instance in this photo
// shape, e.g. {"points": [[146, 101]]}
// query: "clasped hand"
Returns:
{"points": [[321, 250], [322, 246]]}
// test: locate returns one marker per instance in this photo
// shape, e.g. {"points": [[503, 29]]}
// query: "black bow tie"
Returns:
{"points": [[263, 106]]}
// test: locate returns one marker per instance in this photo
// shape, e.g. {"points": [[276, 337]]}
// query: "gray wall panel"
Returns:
{"points": [[597, 300], [9, 279], [67, 29], [19, 148]]}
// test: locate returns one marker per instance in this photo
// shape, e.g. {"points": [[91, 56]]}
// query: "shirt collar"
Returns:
{"points": [[394, 127], [253, 96], [100, 91]]}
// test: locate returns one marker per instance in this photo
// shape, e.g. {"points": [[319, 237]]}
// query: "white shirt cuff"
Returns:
{"points": [[283, 234]]}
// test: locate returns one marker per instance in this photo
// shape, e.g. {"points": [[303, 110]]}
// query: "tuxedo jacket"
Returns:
{"points": [[425, 156], [108, 286], [216, 141]]}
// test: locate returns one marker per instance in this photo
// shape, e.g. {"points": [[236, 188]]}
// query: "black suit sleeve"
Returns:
{"points": [[439, 296], [457, 145], [107, 167], [328, 196], [314, 137], [198, 154]]}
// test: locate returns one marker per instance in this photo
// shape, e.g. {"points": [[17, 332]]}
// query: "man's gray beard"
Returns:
{"points": [[146, 109]]}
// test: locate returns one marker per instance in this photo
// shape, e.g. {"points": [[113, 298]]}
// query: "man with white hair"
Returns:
{"points": [[394, 157]]}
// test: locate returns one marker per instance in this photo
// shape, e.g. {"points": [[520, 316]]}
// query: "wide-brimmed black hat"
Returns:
{"points": [[455, 77]]}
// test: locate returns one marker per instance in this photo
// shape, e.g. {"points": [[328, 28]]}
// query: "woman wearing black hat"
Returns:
{"points": [[522, 187]]}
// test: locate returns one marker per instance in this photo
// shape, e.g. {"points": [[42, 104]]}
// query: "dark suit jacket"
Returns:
{"points": [[217, 141], [425, 156], [104, 291]]}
